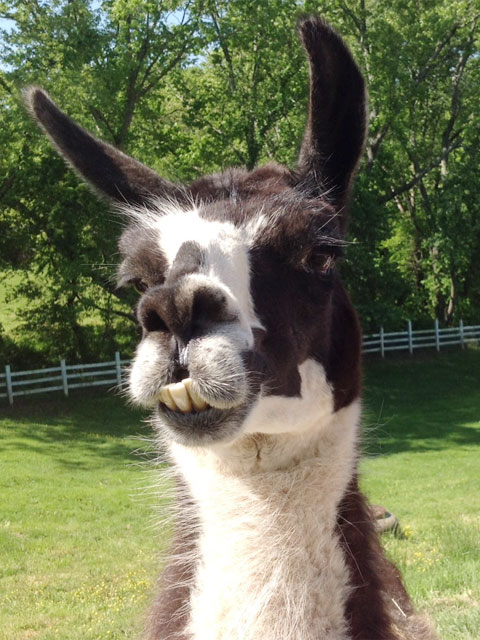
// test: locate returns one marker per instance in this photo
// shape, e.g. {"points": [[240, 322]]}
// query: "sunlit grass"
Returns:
{"points": [[426, 426], [77, 543]]}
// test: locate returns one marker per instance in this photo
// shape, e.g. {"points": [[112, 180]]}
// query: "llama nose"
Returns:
{"points": [[183, 311]]}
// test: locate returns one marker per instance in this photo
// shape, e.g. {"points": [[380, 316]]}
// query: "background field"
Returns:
{"points": [[78, 542]]}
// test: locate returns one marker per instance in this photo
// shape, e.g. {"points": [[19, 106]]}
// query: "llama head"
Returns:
{"points": [[246, 325]]}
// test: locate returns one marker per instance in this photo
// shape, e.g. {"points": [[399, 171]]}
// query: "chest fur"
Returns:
{"points": [[270, 565]]}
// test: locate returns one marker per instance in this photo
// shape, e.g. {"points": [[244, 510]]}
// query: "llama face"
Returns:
{"points": [[197, 319], [237, 297], [244, 318]]}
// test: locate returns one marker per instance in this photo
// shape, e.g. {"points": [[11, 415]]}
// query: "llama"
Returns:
{"points": [[250, 360]]}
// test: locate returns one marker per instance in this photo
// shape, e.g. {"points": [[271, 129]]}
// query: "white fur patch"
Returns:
{"points": [[278, 414], [148, 371], [271, 566], [225, 249]]}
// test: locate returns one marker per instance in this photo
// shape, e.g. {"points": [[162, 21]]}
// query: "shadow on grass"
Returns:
{"points": [[422, 403], [98, 424]]}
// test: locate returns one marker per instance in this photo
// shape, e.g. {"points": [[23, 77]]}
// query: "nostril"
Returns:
{"points": [[209, 306], [151, 321], [152, 310]]}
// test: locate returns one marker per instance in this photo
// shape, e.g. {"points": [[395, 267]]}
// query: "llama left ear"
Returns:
{"points": [[110, 172], [336, 127]]}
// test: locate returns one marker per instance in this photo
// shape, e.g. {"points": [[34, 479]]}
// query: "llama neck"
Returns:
{"points": [[268, 537]]}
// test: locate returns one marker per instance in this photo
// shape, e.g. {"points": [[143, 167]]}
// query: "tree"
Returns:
{"points": [[102, 62], [245, 103], [192, 87], [414, 203]]}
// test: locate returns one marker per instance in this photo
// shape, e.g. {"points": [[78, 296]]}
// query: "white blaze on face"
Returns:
{"points": [[226, 258], [225, 266]]}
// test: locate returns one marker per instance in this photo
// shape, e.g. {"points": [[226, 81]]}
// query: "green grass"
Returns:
{"points": [[78, 549], [424, 418]]}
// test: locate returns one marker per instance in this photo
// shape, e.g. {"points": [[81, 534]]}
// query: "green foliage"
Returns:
{"points": [[193, 87], [246, 102], [54, 232]]}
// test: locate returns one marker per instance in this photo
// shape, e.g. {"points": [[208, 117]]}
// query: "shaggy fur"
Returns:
{"points": [[240, 298], [255, 580]]}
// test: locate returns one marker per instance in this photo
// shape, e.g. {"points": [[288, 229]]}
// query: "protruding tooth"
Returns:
{"points": [[166, 398], [199, 403], [180, 396]]}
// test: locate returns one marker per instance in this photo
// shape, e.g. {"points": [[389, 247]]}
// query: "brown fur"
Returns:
{"points": [[169, 611]]}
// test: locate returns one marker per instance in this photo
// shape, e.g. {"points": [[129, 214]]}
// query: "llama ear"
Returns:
{"points": [[109, 171], [336, 126]]}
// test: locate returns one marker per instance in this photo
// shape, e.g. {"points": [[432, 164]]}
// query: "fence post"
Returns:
{"points": [[118, 367], [382, 342], [437, 334], [462, 334], [410, 337], [8, 380], [63, 367]]}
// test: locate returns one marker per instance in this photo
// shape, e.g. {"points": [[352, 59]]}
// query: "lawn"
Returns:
{"points": [[423, 439], [78, 545]]}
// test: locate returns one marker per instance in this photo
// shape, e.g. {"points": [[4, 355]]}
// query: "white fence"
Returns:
{"points": [[61, 378], [420, 339], [75, 376]]}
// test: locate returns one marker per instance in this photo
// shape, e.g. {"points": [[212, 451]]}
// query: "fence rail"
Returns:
{"points": [[63, 377], [76, 376], [409, 340]]}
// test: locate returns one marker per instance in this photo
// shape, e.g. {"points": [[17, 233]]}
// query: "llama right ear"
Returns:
{"points": [[109, 171], [336, 127]]}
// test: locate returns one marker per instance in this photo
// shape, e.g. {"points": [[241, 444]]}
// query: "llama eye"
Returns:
{"points": [[140, 285], [321, 263]]}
